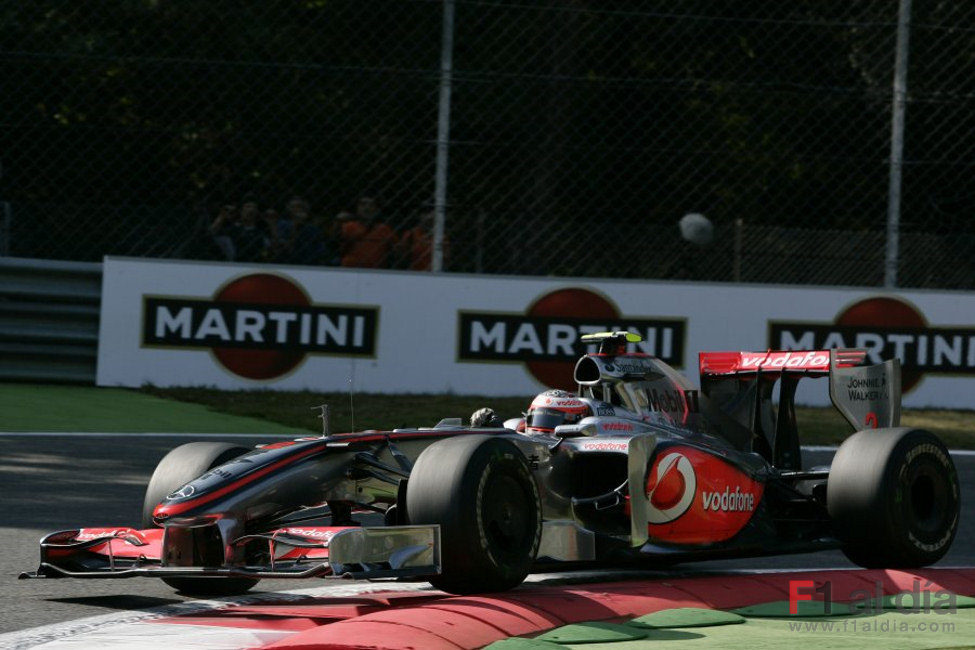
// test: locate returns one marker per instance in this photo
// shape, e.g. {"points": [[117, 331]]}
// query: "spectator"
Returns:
{"points": [[253, 235], [366, 241], [199, 244], [415, 247], [221, 229], [271, 220], [302, 240], [248, 235]]}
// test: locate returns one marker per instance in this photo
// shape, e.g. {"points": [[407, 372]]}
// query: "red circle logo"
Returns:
{"points": [[260, 289], [886, 313], [567, 303], [671, 488]]}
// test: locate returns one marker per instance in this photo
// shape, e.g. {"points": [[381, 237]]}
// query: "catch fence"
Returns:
{"points": [[551, 137]]}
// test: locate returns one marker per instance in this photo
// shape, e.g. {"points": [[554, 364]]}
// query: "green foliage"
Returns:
{"points": [[565, 113]]}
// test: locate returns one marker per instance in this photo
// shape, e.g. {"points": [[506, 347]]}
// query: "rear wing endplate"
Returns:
{"points": [[869, 397]]}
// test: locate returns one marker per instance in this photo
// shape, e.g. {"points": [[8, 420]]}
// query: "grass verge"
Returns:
{"points": [[366, 411], [30, 407], [35, 407], [817, 426]]}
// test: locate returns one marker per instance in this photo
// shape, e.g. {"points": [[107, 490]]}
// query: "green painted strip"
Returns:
{"points": [[686, 617], [592, 633], [909, 602], [517, 643], [805, 609], [888, 631]]}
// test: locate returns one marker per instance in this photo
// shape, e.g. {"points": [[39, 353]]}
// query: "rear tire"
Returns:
{"points": [[481, 491], [176, 469], [893, 497]]}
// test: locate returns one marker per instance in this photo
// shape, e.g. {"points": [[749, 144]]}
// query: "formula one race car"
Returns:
{"points": [[637, 466]]}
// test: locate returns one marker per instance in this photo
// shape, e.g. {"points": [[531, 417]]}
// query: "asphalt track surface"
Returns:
{"points": [[56, 482]]}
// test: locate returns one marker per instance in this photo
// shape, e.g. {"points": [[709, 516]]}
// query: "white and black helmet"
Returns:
{"points": [[552, 408]]}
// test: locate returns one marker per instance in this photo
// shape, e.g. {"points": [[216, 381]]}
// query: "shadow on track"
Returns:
{"points": [[117, 602]]}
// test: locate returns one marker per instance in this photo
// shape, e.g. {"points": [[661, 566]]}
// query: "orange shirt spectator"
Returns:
{"points": [[366, 241], [366, 245], [416, 245]]}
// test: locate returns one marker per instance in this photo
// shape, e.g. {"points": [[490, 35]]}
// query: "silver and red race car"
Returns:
{"points": [[636, 466]]}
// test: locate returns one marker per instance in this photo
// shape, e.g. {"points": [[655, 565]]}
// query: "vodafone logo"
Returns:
{"points": [[670, 488], [546, 338], [697, 497], [887, 328], [88, 534], [729, 500], [312, 533], [259, 326], [813, 360], [605, 446], [564, 402]]}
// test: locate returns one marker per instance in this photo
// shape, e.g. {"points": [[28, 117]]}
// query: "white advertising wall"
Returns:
{"points": [[239, 326]]}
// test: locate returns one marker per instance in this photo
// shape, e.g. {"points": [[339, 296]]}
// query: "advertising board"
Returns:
{"points": [[233, 326]]}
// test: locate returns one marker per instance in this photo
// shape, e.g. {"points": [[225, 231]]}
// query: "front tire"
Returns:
{"points": [[481, 492], [176, 469], [893, 497]]}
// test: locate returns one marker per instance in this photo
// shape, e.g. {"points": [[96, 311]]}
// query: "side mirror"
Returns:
{"points": [[575, 430]]}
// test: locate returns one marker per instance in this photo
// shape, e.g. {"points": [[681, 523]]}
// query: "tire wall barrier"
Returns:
{"points": [[49, 318]]}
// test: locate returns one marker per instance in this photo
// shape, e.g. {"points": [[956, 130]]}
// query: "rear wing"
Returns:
{"points": [[815, 363], [739, 387], [867, 396]]}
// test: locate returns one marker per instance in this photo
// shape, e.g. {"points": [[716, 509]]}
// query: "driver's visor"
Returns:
{"points": [[548, 419]]}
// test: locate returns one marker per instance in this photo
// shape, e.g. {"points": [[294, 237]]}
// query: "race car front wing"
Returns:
{"points": [[305, 552]]}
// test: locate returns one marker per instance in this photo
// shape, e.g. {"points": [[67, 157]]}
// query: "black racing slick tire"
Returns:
{"points": [[893, 496], [176, 469], [481, 491]]}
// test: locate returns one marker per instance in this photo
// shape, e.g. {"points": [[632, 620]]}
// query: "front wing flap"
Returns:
{"points": [[293, 552]]}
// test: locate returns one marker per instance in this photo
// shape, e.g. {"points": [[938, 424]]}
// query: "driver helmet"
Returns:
{"points": [[552, 408]]}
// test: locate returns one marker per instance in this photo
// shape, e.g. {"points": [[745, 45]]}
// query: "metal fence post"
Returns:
{"points": [[736, 264], [5, 220], [443, 135], [897, 144]]}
